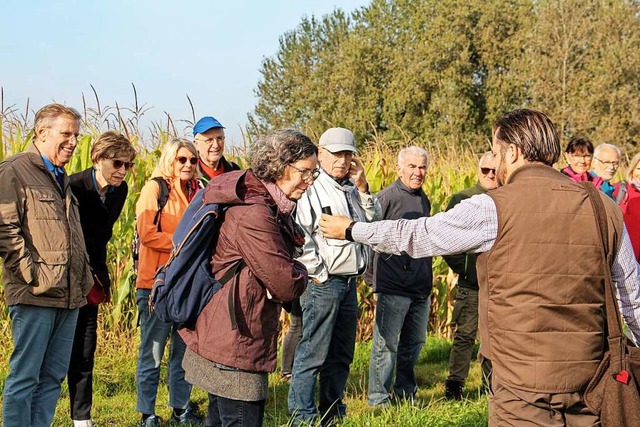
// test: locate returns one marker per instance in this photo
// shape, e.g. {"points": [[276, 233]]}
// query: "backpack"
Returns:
{"points": [[157, 220], [185, 284]]}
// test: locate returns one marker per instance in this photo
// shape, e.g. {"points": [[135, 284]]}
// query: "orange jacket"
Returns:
{"points": [[155, 245]]}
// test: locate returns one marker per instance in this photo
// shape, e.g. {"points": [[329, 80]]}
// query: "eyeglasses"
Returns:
{"points": [[582, 156], [209, 141], [485, 171], [117, 164], [308, 174], [613, 163], [182, 160]]}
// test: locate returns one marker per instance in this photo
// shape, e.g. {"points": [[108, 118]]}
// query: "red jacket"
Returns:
{"points": [[630, 206], [260, 230]]}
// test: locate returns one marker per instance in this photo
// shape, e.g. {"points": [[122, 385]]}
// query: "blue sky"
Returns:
{"points": [[210, 50]]}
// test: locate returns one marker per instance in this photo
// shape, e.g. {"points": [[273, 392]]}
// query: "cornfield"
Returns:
{"points": [[448, 172]]}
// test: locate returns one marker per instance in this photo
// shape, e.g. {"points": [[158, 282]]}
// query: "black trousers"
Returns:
{"points": [[80, 375], [223, 412]]}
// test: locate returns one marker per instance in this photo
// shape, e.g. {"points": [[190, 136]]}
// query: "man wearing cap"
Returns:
{"points": [[329, 304], [208, 137], [465, 309]]}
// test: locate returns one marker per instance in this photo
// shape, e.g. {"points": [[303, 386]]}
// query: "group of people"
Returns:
{"points": [[297, 230]]}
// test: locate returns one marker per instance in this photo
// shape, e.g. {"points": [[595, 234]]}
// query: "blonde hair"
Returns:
{"points": [[632, 165], [168, 156], [50, 112], [110, 145]]}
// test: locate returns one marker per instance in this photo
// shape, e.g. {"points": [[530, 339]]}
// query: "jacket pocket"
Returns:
{"points": [[46, 203], [50, 268]]}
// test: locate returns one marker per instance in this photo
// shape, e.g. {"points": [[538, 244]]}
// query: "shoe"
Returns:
{"points": [[453, 389], [187, 418], [151, 421], [84, 423]]}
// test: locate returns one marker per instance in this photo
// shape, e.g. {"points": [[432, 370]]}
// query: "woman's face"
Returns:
{"points": [[112, 171], [298, 177], [580, 161], [184, 165]]}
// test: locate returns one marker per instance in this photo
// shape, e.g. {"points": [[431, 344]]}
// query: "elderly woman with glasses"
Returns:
{"points": [[101, 193], [176, 171], [579, 154], [232, 363]]}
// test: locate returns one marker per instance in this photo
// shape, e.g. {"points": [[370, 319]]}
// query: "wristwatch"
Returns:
{"points": [[347, 232]]}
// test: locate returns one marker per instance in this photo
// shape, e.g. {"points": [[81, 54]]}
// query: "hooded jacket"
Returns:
{"points": [[257, 227]]}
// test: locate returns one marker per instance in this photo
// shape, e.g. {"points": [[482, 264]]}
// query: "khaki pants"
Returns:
{"points": [[509, 406]]}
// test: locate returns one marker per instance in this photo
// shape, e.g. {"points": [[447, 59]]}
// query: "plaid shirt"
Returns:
{"points": [[472, 226]]}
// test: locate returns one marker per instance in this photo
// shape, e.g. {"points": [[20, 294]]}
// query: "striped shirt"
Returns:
{"points": [[472, 226]]}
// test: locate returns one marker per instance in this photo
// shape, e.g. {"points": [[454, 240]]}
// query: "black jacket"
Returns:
{"points": [[97, 219], [227, 166], [401, 274]]}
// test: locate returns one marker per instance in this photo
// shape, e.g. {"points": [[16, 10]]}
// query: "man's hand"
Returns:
{"points": [[333, 226], [356, 172]]}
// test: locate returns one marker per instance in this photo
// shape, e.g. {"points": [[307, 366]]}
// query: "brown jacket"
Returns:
{"points": [[258, 228], [541, 301], [41, 241]]}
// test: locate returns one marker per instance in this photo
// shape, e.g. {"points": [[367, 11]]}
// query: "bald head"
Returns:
{"points": [[487, 171]]}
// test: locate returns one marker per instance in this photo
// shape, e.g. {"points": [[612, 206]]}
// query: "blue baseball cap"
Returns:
{"points": [[206, 123]]}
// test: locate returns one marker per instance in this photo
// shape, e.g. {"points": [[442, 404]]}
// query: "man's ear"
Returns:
{"points": [[513, 153]]}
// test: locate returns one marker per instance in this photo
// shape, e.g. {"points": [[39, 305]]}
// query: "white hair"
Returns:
{"points": [[418, 151], [604, 145]]}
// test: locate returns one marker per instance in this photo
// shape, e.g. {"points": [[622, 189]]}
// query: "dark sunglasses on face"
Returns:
{"points": [[117, 164], [485, 171], [182, 160]]}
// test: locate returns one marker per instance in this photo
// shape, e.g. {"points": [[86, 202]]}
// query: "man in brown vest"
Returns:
{"points": [[540, 272]]}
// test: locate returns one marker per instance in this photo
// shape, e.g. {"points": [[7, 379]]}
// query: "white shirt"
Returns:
{"points": [[472, 226]]}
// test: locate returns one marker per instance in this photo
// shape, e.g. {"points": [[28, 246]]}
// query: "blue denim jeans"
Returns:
{"points": [[329, 318], [398, 336], [154, 334], [223, 412], [42, 338]]}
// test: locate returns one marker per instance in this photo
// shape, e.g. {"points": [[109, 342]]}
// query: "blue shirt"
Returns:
{"points": [[55, 170]]}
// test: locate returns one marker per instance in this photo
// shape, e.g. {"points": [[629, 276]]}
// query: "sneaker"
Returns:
{"points": [[453, 390], [84, 423], [187, 418], [151, 421]]}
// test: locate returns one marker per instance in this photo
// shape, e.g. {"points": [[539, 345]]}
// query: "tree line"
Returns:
{"points": [[441, 71]]}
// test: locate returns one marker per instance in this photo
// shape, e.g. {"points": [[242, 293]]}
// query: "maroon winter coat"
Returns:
{"points": [[259, 230]]}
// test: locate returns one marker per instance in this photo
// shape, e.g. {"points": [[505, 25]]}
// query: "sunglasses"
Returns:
{"points": [[182, 160], [485, 171], [117, 164]]}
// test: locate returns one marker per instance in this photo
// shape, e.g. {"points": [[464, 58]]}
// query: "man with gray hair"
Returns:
{"points": [[403, 287], [606, 160], [329, 304], [46, 274]]}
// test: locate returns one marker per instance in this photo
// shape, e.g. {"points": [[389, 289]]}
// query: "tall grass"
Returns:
{"points": [[448, 172]]}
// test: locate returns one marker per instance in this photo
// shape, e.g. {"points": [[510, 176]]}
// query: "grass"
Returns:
{"points": [[115, 394]]}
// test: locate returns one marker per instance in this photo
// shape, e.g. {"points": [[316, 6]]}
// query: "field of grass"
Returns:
{"points": [[115, 394]]}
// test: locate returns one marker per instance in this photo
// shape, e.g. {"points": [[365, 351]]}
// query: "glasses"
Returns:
{"points": [[182, 160], [308, 174], [584, 157], [613, 163], [485, 171], [209, 141], [117, 164]]}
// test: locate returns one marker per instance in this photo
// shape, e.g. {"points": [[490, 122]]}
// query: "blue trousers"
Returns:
{"points": [[398, 336], [154, 334], [42, 338], [329, 320]]}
